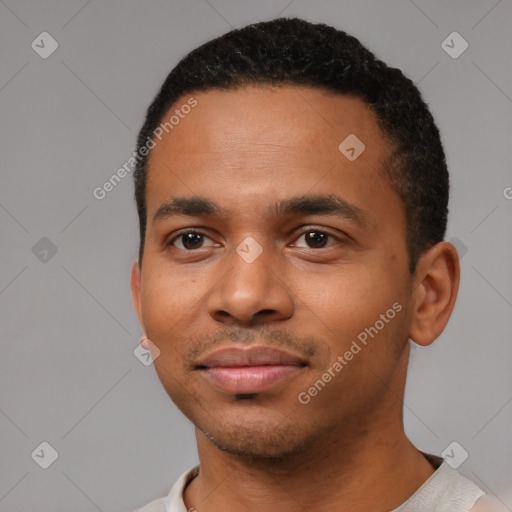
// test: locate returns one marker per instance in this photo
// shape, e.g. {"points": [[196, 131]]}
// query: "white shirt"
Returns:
{"points": [[445, 491]]}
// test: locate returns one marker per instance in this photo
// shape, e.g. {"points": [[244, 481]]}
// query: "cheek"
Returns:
{"points": [[158, 307], [365, 350], [347, 297], [357, 306], [167, 299]]}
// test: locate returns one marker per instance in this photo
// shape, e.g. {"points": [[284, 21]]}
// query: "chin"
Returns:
{"points": [[258, 439], [255, 448]]}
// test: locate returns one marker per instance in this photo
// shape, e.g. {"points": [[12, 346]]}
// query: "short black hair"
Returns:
{"points": [[292, 51]]}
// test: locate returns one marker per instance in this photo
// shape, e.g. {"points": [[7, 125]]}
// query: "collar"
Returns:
{"points": [[426, 497]]}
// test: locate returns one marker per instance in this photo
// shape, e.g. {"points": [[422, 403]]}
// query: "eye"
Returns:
{"points": [[316, 239], [189, 240]]}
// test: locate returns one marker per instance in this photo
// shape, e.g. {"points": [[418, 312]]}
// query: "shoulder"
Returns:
{"points": [[173, 502], [445, 491], [155, 506], [489, 503]]}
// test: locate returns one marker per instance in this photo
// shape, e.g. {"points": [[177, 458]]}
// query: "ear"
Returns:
{"points": [[135, 286], [435, 288]]}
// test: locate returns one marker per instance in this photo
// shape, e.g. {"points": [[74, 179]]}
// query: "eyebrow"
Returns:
{"points": [[299, 205]]}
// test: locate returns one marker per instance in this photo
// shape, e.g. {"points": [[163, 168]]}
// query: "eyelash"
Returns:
{"points": [[197, 232]]}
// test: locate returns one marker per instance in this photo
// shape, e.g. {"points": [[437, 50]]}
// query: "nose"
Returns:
{"points": [[251, 291]]}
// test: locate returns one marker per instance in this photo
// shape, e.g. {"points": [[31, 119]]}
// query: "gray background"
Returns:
{"points": [[68, 375]]}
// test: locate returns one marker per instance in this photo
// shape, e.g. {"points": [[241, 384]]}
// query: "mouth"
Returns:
{"points": [[243, 371]]}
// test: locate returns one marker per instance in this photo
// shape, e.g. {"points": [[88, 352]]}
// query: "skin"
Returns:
{"points": [[246, 149]]}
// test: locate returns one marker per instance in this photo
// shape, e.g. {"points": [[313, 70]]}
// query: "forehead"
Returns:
{"points": [[266, 141], [304, 119]]}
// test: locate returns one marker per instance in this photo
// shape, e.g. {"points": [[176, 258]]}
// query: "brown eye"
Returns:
{"points": [[316, 239], [189, 241]]}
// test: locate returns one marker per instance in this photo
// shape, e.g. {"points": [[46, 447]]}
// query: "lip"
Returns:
{"points": [[249, 370]]}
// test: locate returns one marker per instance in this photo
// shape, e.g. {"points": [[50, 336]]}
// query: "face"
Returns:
{"points": [[275, 277]]}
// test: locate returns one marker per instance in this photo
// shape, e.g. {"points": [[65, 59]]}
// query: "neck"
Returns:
{"points": [[369, 466]]}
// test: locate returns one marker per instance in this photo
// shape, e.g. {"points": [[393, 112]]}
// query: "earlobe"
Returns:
{"points": [[435, 290], [135, 288]]}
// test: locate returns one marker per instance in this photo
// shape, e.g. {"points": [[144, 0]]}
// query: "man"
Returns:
{"points": [[292, 194]]}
